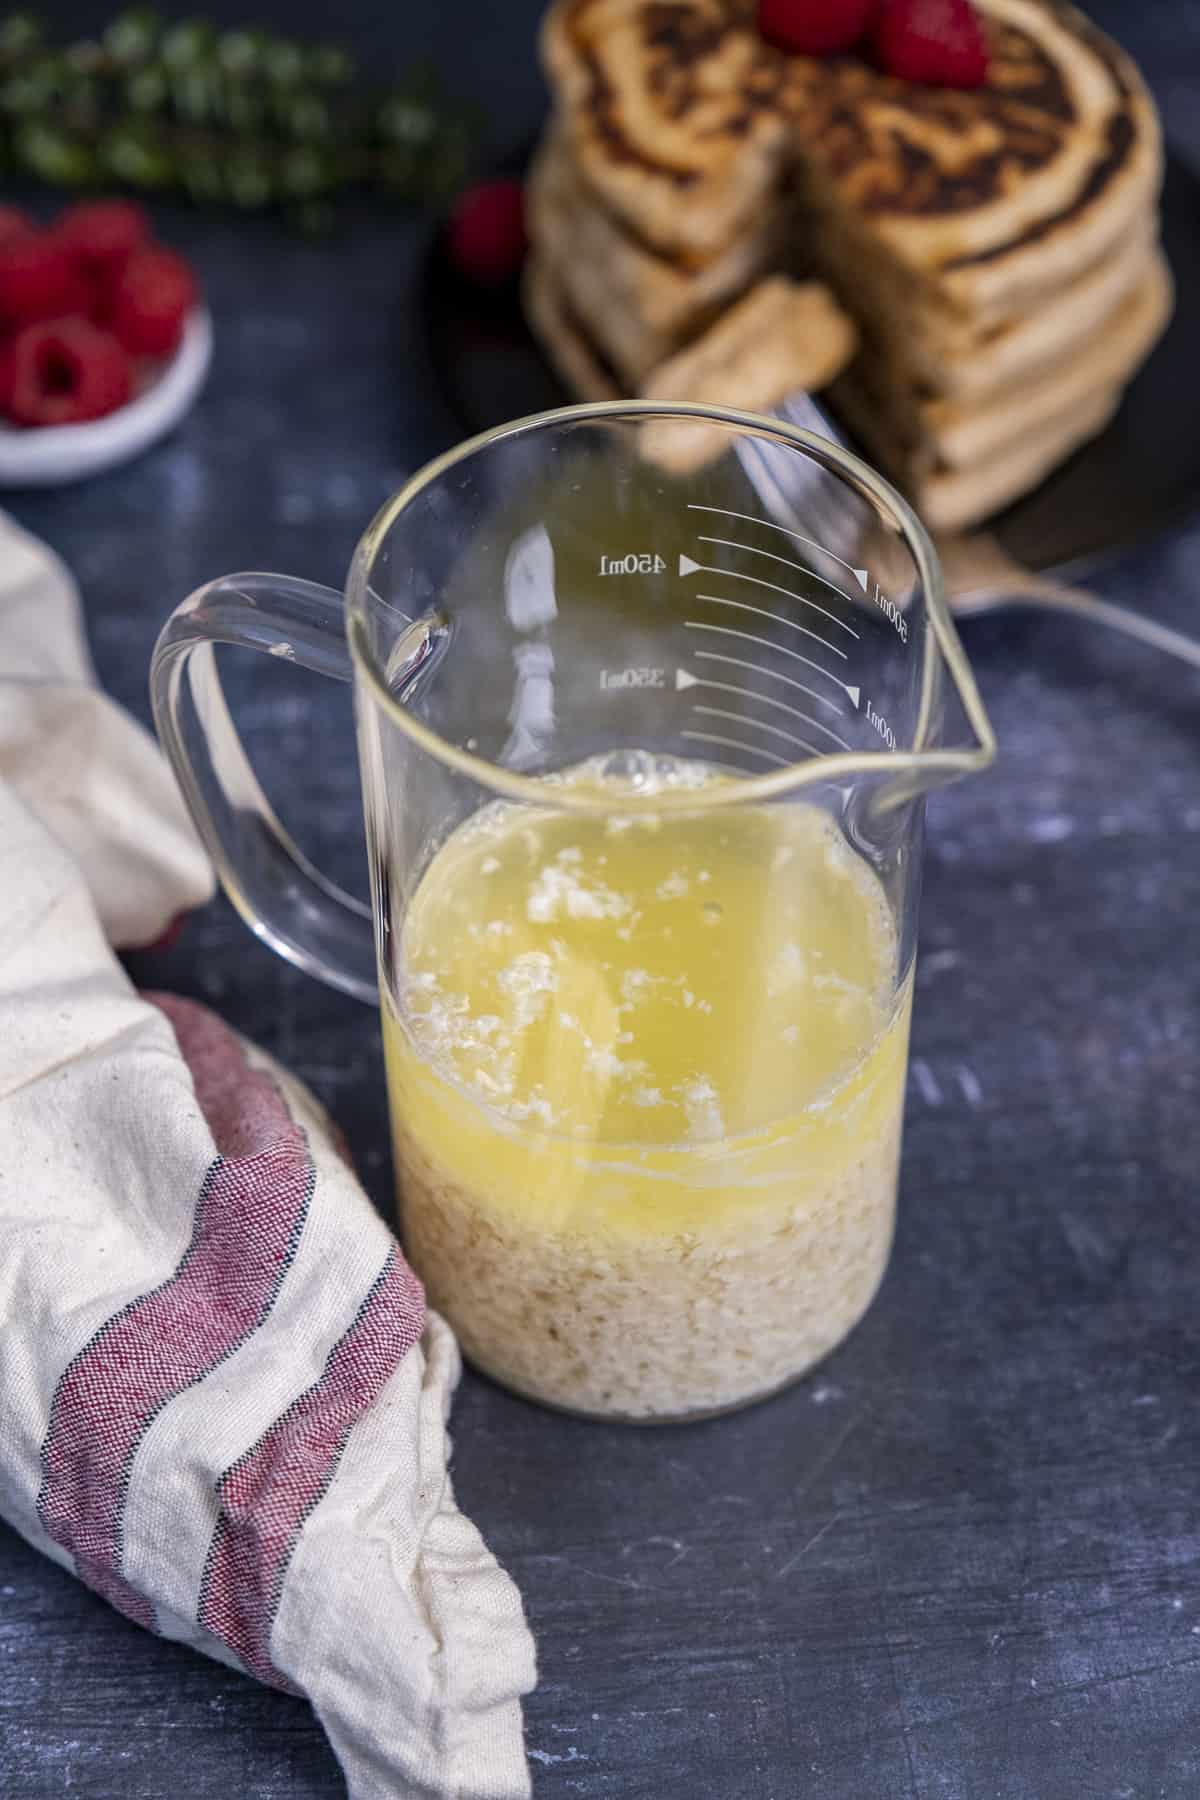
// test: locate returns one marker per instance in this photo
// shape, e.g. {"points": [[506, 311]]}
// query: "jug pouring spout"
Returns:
{"points": [[952, 735], [912, 685]]}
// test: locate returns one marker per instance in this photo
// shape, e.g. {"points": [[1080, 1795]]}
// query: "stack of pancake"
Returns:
{"points": [[976, 274]]}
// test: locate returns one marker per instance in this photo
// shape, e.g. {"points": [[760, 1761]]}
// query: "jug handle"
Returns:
{"points": [[285, 901]]}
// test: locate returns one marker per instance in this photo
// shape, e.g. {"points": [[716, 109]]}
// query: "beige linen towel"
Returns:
{"points": [[222, 1402]]}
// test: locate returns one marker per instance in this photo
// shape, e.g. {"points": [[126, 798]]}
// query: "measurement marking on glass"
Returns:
{"points": [[789, 737], [712, 737], [892, 613], [636, 562], [632, 678], [881, 725], [852, 693], [860, 575], [776, 619], [687, 566], [731, 544], [683, 679], [739, 662]]}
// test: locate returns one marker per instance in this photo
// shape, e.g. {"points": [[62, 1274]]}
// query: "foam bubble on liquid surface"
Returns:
{"points": [[560, 892], [530, 979], [636, 986]]}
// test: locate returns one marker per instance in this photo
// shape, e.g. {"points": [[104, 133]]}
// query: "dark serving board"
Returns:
{"points": [[1141, 475]]}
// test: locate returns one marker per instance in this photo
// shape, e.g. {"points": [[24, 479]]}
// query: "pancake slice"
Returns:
{"points": [[782, 337], [640, 306]]}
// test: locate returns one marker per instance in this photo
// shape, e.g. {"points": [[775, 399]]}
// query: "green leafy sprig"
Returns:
{"points": [[243, 118]]}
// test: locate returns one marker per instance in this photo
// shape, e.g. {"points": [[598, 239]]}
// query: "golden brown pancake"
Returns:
{"points": [[958, 466], [996, 247], [917, 435], [995, 195], [640, 307], [672, 111], [683, 120]]}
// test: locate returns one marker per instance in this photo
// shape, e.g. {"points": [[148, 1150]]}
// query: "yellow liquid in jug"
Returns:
{"points": [[647, 1083]]}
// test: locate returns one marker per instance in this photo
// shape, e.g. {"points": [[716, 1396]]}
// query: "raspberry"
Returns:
{"points": [[939, 42], [8, 376], [150, 301], [815, 27], [486, 235], [14, 224], [66, 372], [39, 280], [103, 234]]}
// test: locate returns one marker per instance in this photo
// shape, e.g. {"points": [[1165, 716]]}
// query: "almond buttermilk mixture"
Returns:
{"points": [[646, 1074]]}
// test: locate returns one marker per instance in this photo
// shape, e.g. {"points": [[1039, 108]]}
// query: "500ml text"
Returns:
{"points": [[891, 611]]}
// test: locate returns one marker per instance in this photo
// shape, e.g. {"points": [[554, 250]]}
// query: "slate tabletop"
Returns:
{"points": [[962, 1560]]}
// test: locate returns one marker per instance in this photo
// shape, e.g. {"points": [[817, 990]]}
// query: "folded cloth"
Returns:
{"points": [[222, 1402]]}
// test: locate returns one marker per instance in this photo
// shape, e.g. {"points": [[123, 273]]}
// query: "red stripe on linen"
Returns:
{"points": [[247, 1223], [270, 1492]]}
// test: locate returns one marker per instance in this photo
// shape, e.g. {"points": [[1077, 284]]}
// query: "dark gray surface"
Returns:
{"points": [[960, 1562]]}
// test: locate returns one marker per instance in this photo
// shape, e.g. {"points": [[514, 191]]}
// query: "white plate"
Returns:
{"points": [[50, 455]]}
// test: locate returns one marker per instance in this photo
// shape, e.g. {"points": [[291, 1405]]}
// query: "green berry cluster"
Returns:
{"points": [[243, 117]]}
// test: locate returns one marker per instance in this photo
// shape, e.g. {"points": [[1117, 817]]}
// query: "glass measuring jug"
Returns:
{"points": [[648, 700]]}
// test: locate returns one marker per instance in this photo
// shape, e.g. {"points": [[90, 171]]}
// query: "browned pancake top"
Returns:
{"points": [[894, 148], [701, 66], [899, 148]]}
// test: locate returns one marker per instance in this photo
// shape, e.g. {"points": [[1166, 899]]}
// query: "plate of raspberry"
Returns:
{"points": [[105, 345]]}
